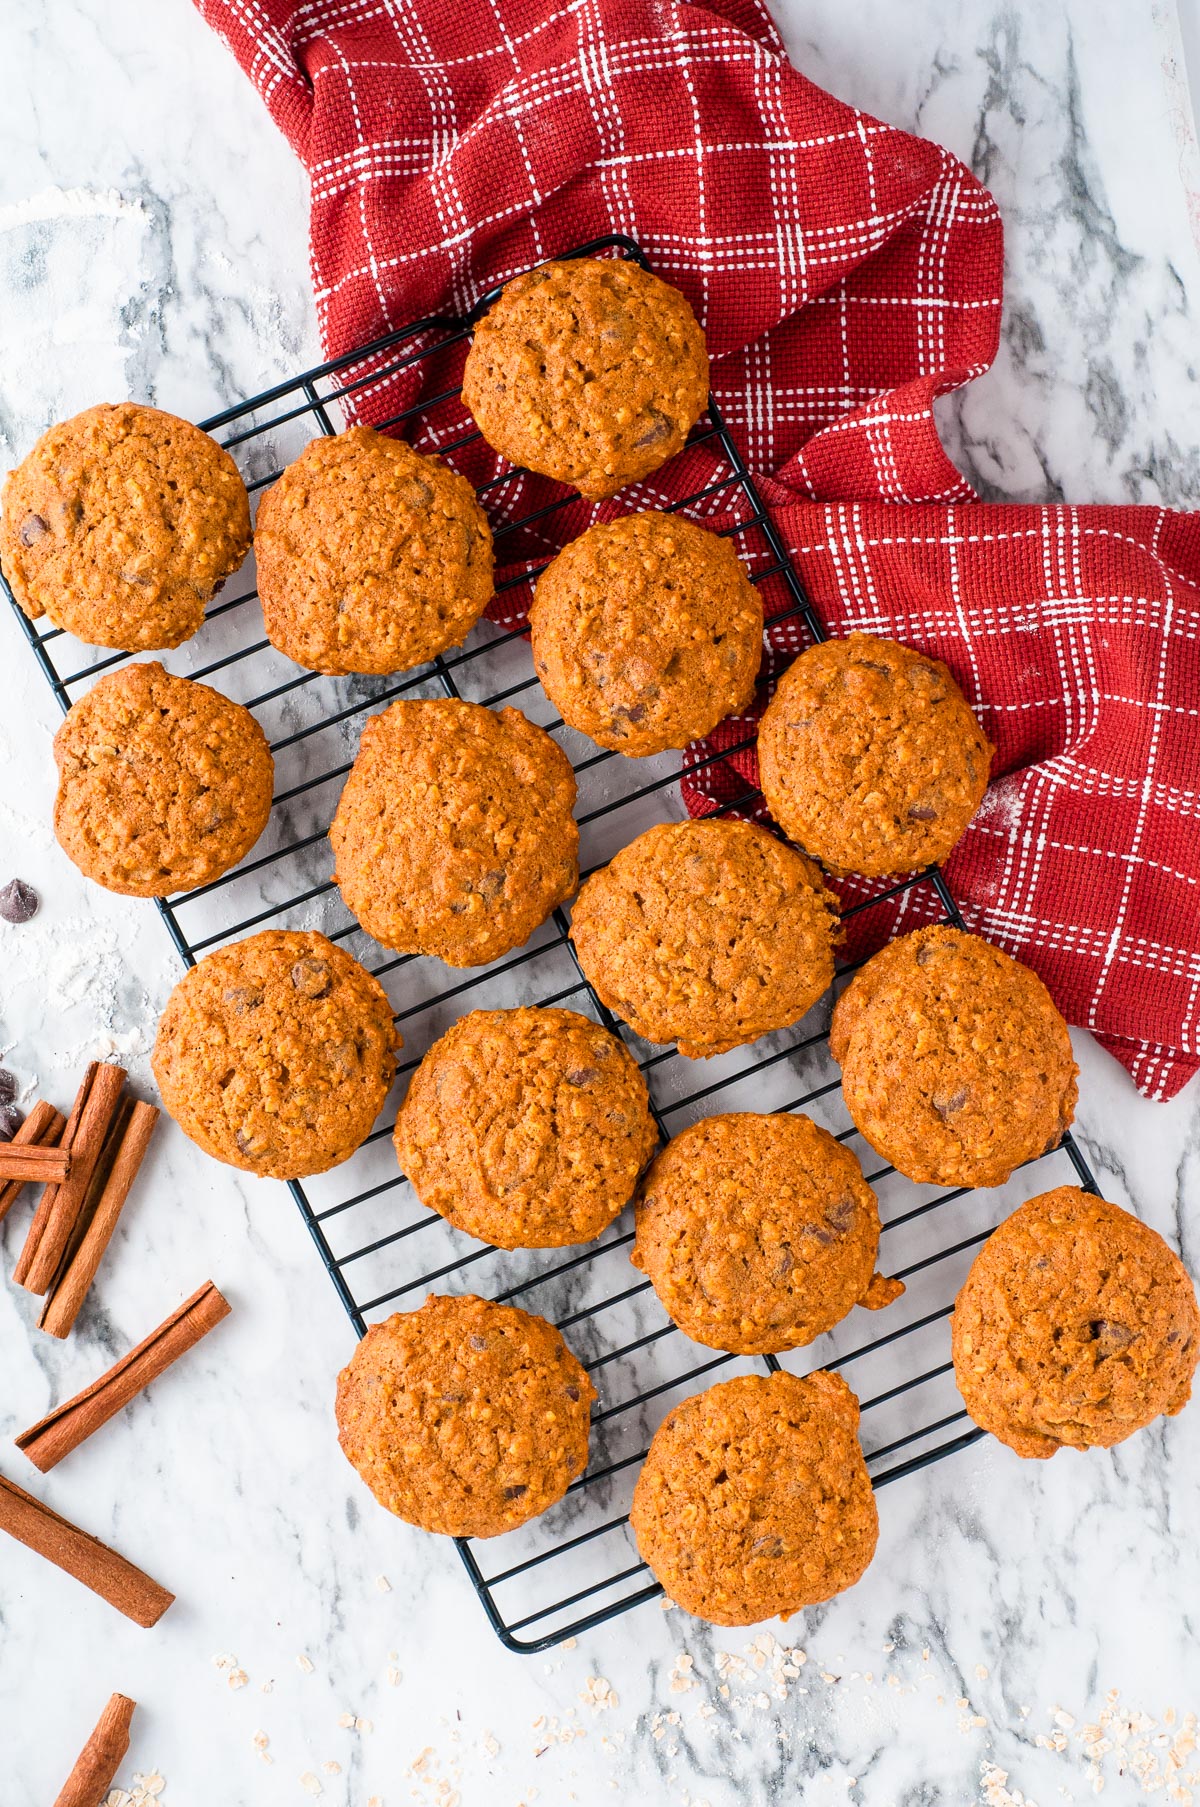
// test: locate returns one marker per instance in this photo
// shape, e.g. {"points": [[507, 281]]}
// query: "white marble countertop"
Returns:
{"points": [[153, 243]]}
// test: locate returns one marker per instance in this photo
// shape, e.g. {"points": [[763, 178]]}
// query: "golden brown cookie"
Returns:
{"points": [[755, 1500], [869, 757], [122, 524], [371, 557], [956, 1066], [465, 1417], [759, 1232], [646, 632], [454, 835], [706, 933], [163, 783], [591, 370], [527, 1128], [1076, 1326], [276, 1053]]}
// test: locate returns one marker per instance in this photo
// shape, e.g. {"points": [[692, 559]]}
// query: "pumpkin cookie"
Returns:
{"points": [[163, 784], [755, 1500], [527, 1128], [956, 1066], [759, 1233], [121, 525], [646, 632], [1076, 1326], [591, 370], [465, 1417], [869, 757], [454, 835], [371, 557], [275, 1054], [707, 933]]}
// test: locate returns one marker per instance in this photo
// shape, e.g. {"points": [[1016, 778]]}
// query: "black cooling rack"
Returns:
{"points": [[577, 1565]]}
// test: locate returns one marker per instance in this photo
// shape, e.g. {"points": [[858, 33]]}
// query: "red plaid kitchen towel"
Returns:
{"points": [[846, 273]]}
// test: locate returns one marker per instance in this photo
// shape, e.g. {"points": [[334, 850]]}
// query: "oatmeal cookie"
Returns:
{"points": [[1076, 1326], [163, 784], [591, 371], [465, 1417], [121, 525], [371, 557], [527, 1128], [275, 1054], [869, 757], [706, 933], [755, 1500], [956, 1066], [454, 835], [646, 632], [759, 1233]]}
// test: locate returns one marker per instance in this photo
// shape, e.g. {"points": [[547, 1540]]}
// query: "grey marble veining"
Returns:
{"points": [[152, 241]]}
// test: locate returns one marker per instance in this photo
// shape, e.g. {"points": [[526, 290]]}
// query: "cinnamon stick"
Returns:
{"points": [[45, 1206], [86, 1147], [42, 1128], [77, 1553], [63, 1429], [98, 1762], [84, 1254], [28, 1161]]}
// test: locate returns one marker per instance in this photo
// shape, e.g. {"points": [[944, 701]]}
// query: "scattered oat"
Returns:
{"points": [[332, 1768], [304, 1663], [383, 1584], [981, 1673], [598, 1694], [346, 1721], [267, 1688], [394, 1676], [310, 1782], [261, 1741], [237, 1678], [364, 1725]]}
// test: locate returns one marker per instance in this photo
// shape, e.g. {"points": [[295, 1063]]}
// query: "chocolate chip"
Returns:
{"points": [[785, 1264], [312, 978], [720, 1478], [946, 1107], [921, 812], [636, 712], [767, 1546], [244, 1142], [18, 901], [517, 1492], [11, 1120], [924, 954], [1112, 1337], [660, 428], [871, 665], [8, 1086], [583, 1076], [241, 998], [571, 1392], [491, 884], [32, 529], [414, 494], [477, 1342]]}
